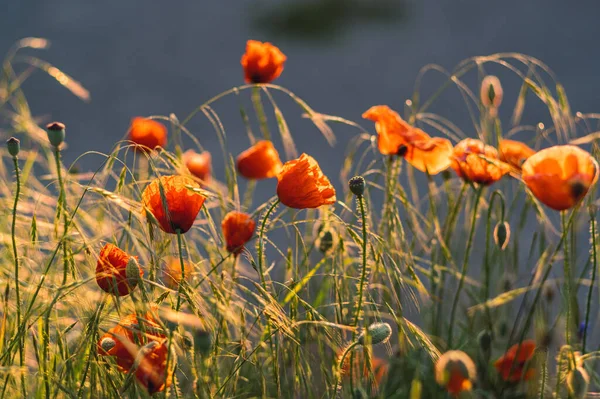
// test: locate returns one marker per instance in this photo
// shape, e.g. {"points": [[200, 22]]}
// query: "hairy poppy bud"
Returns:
{"points": [[14, 146], [132, 272], [502, 235], [578, 382], [107, 344], [325, 241], [357, 185], [491, 92], [379, 333], [56, 133]]}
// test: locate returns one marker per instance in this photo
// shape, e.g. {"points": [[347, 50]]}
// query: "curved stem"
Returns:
{"points": [[16, 256], [594, 266], [486, 290], [465, 265], [340, 366], [261, 243]]}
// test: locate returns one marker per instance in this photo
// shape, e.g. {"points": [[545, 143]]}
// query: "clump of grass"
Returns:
{"points": [[402, 266]]}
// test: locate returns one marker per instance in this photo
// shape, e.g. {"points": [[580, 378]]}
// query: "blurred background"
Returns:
{"points": [[153, 58]]}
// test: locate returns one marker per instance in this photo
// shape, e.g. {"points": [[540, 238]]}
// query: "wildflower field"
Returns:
{"points": [[444, 261]]}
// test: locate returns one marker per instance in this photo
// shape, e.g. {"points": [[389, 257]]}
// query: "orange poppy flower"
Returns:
{"points": [[477, 162], [379, 367], [198, 165], [111, 271], [514, 153], [455, 371], [147, 133], [262, 62], [152, 369], [512, 365], [261, 161], [396, 137], [301, 184], [172, 275], [560, 176], [181, 204], [121, 340], [238, 229]]}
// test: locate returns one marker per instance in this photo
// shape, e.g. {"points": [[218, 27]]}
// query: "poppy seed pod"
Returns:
{"points": [[379, 333], [578, 382], [491, 92], [502, 235], [357, 185], [14, 146], [56, 133]]}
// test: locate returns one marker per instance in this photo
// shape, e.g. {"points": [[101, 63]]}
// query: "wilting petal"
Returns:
{"points": [[392, 130], [514, 153], [111, 271], [476, 162], [431, 155]]}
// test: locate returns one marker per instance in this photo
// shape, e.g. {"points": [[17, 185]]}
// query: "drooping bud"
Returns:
{"points": [[132, 271], [379, 333], [357, 185], [56, 133], [578, 382], [491, 92], [502, 235], [14, 146]]}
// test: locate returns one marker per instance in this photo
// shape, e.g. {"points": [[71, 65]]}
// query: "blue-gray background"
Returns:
{"points": [[157, 57]]}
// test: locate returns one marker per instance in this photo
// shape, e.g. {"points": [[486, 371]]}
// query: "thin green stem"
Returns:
{"points": [[361, 286], [567, 277], [261, 244], [340, 366], [63, 209], [465, 266], [260, 113], [16, 256], [486, 269], [594, 267], [182, 280]]}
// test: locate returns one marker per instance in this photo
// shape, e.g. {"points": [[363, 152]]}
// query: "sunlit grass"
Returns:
{"points": [[287, 317]]}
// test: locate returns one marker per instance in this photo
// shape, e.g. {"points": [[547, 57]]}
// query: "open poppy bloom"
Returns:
{"points": [[262, 62], [261, 161], [301, 184], [512, 366], [198, 165], [172, 274], [238, 229], [379, 369], [455, 371], [147, 133], [151, 372], [477, 162], [514, 153], [172, 203], [111, 271], [396, 137], [122, 340], [560, 176]]}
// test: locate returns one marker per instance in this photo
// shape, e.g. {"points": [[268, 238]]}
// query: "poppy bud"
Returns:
{"points": [[107, 344], [56, 133], [491, 92], [357, 185], [132, 272], [325, 241], [14, 146], [379, 333], [502, 235], [578, 382], [485, 341]]}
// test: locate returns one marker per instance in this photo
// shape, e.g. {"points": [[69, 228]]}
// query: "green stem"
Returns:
{"points": [[465, 266], [261, 244], [567, 277], [486, 288], [594, 267], [340, 365], [260, 113], [363, 275], [16, 256], [63, 209], [182, 280]]}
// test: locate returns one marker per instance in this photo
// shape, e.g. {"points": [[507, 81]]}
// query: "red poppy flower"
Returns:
{"points": [[262, 62], [122, 340], [455, 371], [512, 366], [397, 137], [514, 153], [172, 275], [238, 229], [151, 372], [560, 176], [198, 165], [177, 206], [301, 184], [147, 133], [476, 162], [261, 161], [111, 271]]}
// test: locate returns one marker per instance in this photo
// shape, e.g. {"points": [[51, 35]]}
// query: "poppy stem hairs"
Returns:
{"points": [[261, 243], [13, 148], [465, 265], [593, 239]]}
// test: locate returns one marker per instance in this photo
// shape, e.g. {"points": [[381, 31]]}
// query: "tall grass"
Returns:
{"points": [[414, 251]]}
